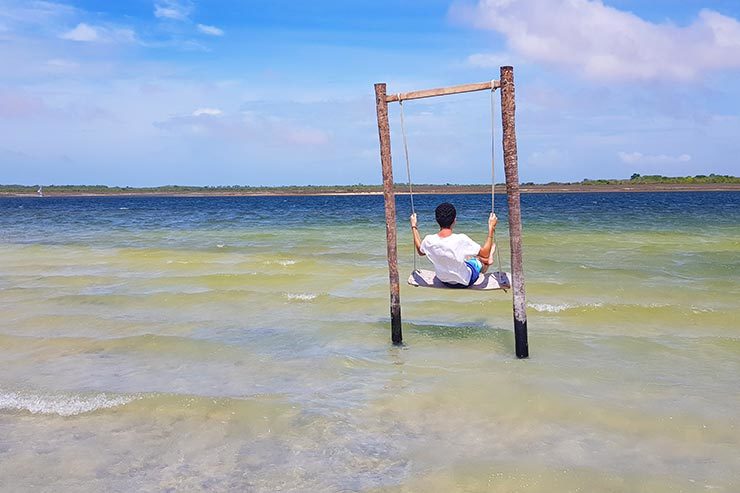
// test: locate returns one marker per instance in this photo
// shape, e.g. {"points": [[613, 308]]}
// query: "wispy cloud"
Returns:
{"points": [[602, 42], [244, 126], [210, 30], [208, 111], [489, 60], [83, 32], [640, 158], [88, 34], [16, 13], [173, 9]]}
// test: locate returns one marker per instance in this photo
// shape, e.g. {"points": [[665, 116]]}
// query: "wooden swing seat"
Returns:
{"points": [[488, 281]]}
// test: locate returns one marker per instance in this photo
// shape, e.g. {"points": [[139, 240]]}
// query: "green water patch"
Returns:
{"points": [[503, 413], [188, 303], [620, 318], [459, 332], [144, 367], [55, 324], [665, 376], [509, 476], [186, 348], [466, 342], [260, 412]]}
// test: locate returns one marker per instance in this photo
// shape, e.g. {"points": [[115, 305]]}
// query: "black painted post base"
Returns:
{"points": [[520, 337], [396, 335]]}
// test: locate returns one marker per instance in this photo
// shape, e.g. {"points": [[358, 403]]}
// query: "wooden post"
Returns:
{"points": [[384, 133], [508, 107]]}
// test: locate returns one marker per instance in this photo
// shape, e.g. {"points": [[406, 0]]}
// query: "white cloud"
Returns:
{"points": [[103, 34], [489, 60], [602, 42], [17, 13], [83, 32], [640, 158], [173, 9], [210, 30], [208, 112]]}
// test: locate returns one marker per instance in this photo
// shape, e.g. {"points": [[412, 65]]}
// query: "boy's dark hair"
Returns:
{"points": [[445, 214]]}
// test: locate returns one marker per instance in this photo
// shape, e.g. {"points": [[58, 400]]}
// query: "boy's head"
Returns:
{"points": [[445, 214]]}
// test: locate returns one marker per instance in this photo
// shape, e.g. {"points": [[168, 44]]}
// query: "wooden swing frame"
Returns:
{"points": [[508, 107]]}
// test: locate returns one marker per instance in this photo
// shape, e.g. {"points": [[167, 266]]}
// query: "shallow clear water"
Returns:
{"points": [[242, 343]]}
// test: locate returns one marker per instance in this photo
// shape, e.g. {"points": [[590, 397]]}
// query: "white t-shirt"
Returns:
{"points": [[448, 256]]}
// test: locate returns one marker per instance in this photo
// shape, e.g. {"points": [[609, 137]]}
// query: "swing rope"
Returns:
{"points": [[493, 170], [493, 150], [408, 167]]}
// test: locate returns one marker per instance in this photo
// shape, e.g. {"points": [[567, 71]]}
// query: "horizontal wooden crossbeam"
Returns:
{"points": [[443, 91]]}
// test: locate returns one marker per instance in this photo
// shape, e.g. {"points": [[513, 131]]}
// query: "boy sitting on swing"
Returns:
{"points": [[458, 260]]}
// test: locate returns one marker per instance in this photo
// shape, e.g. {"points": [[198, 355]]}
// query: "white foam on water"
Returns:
{"points": [[62, 405], [284, 263], [219, 245], [301, 296], [546, 307], [556, 308]]}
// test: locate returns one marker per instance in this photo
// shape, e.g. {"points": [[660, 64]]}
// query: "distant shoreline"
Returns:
{"points": [[420, 190]]}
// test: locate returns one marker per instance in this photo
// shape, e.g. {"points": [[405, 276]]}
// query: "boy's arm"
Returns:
{"points": [[415, 232], [487, 249]]}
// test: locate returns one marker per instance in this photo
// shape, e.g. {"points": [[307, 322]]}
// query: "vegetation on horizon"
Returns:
{"points": [[635, 179]]}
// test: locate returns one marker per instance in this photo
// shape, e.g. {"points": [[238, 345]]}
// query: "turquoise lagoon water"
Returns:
{"points": [[242, 343]]}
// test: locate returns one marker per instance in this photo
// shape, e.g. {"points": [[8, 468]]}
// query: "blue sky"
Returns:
{"points": [[152, 92]]}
